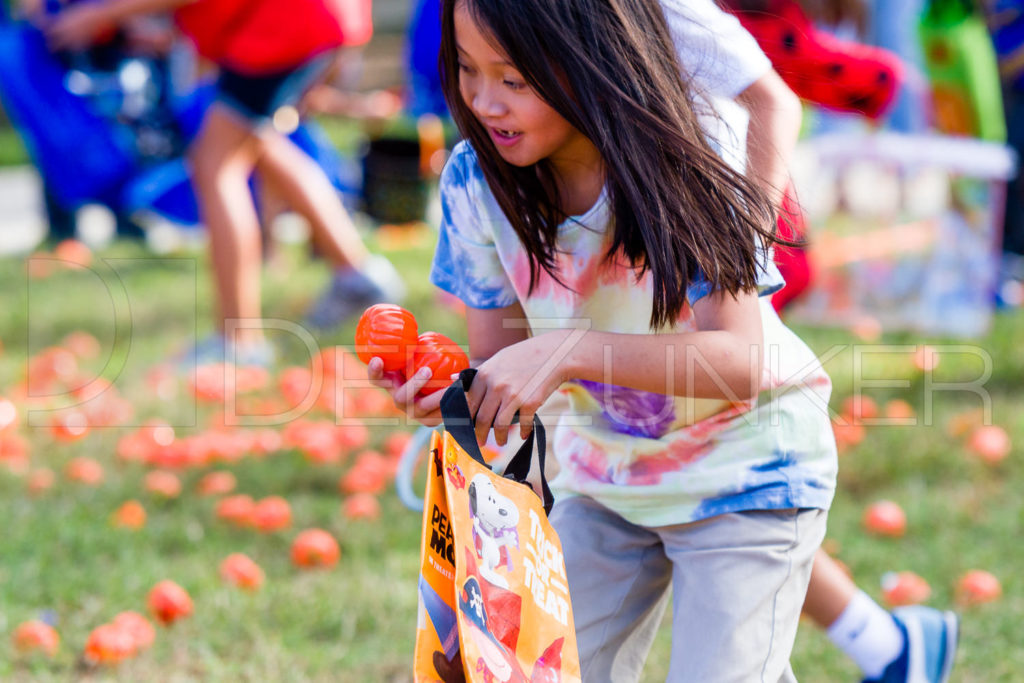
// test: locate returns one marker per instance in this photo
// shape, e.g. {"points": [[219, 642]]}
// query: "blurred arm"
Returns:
{"points": [[775, 115], [78, 25], [119, 10]]}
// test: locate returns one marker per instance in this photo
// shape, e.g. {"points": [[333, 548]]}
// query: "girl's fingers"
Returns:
{"points": [[474, 396], [525, 423], [486, 415], [427, 415], [406, 394], [375, 371], [503, 423], [430, 420], [428, 409], [388, 381]]}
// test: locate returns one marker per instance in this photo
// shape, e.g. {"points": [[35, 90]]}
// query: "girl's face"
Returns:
{"points": [[522, 126]]}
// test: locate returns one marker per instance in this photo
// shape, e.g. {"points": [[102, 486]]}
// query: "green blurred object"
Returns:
{"points": [[961, 65], [12, 152]]}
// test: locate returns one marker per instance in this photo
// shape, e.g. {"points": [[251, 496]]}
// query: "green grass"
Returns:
{"points": [[356, 622], [12, 151]]}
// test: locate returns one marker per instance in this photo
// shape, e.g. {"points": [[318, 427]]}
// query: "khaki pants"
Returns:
{"points": [[738, 583]]}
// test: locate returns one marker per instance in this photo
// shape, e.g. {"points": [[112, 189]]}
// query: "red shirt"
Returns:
{"points": [[267, 36]]}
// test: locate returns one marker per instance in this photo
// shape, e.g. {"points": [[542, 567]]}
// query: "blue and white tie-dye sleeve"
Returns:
{"points": [[698, 289], [466, 261], [769, 279]]}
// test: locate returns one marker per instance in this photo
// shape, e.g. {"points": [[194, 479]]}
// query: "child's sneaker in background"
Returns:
{"points": [[351, 291], [215, 349], [929, 646]]}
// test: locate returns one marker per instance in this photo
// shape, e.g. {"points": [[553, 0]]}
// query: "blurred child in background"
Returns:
{"points": [[269, 53], [838, 75]]}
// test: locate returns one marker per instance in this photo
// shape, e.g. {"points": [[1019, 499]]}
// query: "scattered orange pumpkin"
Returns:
{"points": [[885, 518], [138, 629], [169, 602], [396, 443], [162, 483], [272, 514], [237, 509], [8, 414], [977, 587], [84, 470], [109, 644], [898, 409], [315, 548], [82, 344], [990, 444], [69, 425], [35, 636], [352, 436], [130, 515], [859, 407], [370, 474], [848, 434], [297, 385], [361, 506], [216, 483], [239, 570], [73, 253], [905, 588]]}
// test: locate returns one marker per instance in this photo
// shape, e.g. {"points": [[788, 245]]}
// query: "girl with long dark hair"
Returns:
{"points": [[604, 250]]}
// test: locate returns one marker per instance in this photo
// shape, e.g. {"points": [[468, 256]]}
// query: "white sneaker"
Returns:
{"points": [[384, 274]]}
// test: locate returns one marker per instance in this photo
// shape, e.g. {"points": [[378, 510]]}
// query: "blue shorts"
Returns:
{"points": [[257, 98]]}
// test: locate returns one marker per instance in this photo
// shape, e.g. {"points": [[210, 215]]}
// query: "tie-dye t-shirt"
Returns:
{"points": [[652, 458]]}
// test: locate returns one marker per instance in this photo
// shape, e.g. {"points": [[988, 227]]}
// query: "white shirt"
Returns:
{"points": [[721, 59], [713, 47]]}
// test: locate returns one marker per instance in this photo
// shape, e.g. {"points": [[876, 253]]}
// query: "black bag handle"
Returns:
{"points": [[459, 423]]}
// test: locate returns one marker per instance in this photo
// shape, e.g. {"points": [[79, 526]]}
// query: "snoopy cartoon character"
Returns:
{"points": [[494, 524]]}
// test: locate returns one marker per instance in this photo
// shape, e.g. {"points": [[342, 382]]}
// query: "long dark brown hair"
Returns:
{"points": [[609, 68]]}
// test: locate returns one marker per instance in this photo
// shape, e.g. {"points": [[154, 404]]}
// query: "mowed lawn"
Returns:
{"points": [[61, 558]]}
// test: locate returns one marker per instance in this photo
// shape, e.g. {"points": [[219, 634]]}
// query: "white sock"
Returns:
{"points": [[867, 634]]}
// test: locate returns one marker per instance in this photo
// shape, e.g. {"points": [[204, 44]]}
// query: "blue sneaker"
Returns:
{"points": [[214, 350], [350, 292], [929, 646]]}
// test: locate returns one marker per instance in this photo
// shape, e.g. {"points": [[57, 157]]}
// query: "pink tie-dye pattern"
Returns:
{"points": [[591, 463], [581, 276], [771, 380], [648, 470], [547, 288], [687, 446], [585, 460]]}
